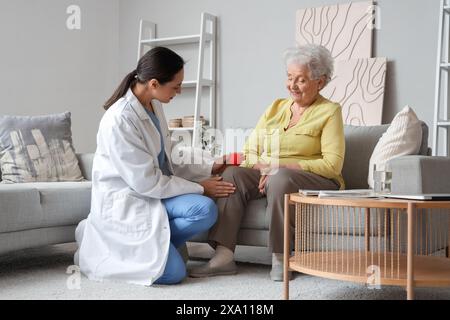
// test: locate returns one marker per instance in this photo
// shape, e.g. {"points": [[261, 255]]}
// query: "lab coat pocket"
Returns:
{"points": [[130, 214]]}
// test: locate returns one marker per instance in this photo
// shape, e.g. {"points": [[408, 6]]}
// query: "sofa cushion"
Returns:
{"points": [[20, 208], [359, 145], [420, 174], [37, 148], [43, 204], [424, 150]]}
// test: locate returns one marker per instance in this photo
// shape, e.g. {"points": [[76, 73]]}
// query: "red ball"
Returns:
{"points": [[235, 159]]}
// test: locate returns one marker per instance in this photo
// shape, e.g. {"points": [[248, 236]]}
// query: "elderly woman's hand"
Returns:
{"points": [[262, 167], [262, 184], [266, 170]]}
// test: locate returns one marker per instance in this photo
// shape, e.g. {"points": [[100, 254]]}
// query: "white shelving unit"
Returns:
{"points": [[148, 39], [441, 108]]}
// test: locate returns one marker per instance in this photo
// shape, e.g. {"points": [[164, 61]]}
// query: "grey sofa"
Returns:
{"points": [[37, 214]]}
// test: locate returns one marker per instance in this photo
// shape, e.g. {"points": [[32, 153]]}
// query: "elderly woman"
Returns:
{"points": [[309, 136]]}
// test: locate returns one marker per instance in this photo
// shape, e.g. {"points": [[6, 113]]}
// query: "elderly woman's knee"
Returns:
{"points": [[231, 173], [280, 180], [282, 174]]}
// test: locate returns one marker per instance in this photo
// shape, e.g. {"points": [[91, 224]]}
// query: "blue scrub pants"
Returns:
{"points": [[189, 214]]}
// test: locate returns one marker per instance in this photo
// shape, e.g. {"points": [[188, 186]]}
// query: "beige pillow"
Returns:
{"points": [[403, 137]]}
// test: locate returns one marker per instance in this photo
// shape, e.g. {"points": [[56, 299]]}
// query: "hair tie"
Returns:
{"points": [[135, 73]]}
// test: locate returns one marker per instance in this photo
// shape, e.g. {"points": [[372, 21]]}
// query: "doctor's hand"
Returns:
{"points": [[214, 187]]}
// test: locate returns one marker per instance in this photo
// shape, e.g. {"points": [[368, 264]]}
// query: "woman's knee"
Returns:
{"points": [[179, 274], [175, 270], [280, 181], [207, 210], [230, 173]]}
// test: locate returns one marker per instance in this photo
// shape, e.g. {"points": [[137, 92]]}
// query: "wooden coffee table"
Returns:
{"points": [[372, 241]]}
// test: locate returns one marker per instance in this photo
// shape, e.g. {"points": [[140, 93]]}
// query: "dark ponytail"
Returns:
{"points": [[159, 63], [126, 83]]}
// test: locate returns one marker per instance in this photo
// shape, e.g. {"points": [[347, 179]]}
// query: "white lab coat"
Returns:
{"points": [[126, 235]]}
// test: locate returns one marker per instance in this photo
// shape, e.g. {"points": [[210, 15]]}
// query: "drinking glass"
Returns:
{"points": [[382, 178]]}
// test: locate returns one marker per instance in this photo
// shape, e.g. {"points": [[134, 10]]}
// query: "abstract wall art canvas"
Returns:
{"points": [[358, 86], [345, 29]]}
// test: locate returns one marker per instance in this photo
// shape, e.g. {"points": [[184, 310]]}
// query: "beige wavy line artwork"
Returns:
{"points": [[345, 29], [358, 86]]}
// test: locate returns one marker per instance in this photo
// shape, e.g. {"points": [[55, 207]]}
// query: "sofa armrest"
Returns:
{"points": [[420, 174], [85, 161]]}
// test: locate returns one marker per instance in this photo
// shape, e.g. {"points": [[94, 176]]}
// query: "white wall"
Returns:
{"points": [[46, 68], [254, 33]]}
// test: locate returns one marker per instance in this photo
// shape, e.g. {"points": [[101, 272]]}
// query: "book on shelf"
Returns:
{"points": [[352, 193]]}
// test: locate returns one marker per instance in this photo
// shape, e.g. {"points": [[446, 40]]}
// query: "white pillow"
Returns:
{"points": [[403, 137]]}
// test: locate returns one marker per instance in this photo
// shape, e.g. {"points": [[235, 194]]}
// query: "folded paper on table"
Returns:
{"points": [[424, 196], [354, 193], [309, 192]]}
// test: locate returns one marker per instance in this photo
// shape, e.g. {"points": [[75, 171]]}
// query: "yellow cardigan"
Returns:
{"points": [[316, 142]]}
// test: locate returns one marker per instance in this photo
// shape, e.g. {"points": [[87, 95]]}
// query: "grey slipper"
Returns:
{"points": [[276, 274], [207, 271]]}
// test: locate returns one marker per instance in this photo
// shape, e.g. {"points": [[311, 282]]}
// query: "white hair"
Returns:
{"points": [[317, 58]]}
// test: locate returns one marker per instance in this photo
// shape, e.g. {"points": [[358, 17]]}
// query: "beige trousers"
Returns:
{"points": [[232, 209]]}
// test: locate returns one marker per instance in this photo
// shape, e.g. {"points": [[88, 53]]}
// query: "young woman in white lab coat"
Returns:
{"points": [[144, 205]]}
